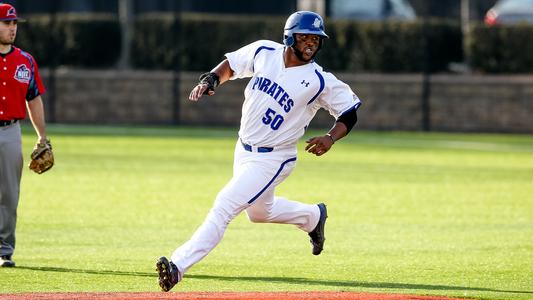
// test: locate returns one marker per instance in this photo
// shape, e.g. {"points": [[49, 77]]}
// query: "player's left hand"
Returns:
{"points": [[319, 145], [42, 157]]}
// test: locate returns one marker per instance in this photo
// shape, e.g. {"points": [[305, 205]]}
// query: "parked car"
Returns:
{"points": [[371, 10], [510, 12]]}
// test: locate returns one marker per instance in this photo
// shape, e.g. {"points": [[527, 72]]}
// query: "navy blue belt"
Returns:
{"points": [[259, 149], [7, 123]]}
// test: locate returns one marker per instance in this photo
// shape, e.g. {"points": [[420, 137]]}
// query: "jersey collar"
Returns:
{"points": [[8, 52]]}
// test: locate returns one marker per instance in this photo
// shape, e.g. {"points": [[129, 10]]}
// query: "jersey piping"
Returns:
{"points": [[322, 85], [356, 106], [259, 50]]}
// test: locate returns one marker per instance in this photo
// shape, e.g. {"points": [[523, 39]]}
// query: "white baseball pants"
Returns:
{"points": [[255, 177]]}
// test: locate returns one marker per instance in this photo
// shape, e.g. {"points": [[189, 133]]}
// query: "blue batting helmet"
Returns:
{"points": [[306, 22]]}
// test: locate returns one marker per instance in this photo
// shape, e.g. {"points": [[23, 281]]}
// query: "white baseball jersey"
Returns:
{"points": [[280, 102]]}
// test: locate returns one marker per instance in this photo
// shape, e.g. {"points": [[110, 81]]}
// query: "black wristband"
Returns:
{"points": [[211, 79]]}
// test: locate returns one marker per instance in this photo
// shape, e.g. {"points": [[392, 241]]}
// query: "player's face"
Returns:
{"points": [[8, 32], [307, 44]]}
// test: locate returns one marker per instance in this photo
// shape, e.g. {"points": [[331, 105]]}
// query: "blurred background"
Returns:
{"points": [[418, 65]]}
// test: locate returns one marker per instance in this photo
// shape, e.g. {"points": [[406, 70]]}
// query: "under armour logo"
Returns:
{"points": [[304, 83], [317, 23]]}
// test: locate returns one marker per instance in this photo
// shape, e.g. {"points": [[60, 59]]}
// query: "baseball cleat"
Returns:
{"points": [[168, 274], [6, 261], [317, 235]]}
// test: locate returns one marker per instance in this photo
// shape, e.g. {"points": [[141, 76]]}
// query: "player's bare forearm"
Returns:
{"points": [[224, 73], [338, 131], [223, 70], [36, 113], [319, 145]]}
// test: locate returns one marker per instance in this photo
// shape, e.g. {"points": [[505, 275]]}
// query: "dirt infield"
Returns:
{"points": [[221, 296]]}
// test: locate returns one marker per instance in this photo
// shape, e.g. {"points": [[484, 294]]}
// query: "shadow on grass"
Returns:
{"points": [[285, 280], [84, 271]]}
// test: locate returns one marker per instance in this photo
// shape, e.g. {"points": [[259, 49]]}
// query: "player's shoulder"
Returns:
{"points": [[325, 74], [266, 45], [18, 51]]}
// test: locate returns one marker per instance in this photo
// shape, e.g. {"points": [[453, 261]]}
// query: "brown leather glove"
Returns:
{"points": [[42, 157]]}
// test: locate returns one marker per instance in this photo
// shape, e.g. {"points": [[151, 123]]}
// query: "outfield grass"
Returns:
{"points": [[438, 214]]}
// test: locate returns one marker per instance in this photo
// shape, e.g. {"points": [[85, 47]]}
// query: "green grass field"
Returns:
{"points": [[437, 214]]}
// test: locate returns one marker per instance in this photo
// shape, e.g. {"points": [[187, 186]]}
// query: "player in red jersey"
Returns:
{"points": [[20, 89]]}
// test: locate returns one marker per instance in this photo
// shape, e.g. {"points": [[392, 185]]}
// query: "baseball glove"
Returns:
{"points": [[42, 157]]}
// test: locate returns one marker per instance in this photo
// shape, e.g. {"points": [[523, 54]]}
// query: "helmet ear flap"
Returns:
{"points": [[288, 40]]}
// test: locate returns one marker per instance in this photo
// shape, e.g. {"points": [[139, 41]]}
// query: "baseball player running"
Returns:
{"points": [[286, 89], [20, 89]]}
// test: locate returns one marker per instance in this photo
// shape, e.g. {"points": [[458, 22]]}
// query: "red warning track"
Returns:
{"points": [[221, 296]]}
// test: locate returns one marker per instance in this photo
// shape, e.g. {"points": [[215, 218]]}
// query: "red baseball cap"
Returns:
{"points": [[7, 12]]}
